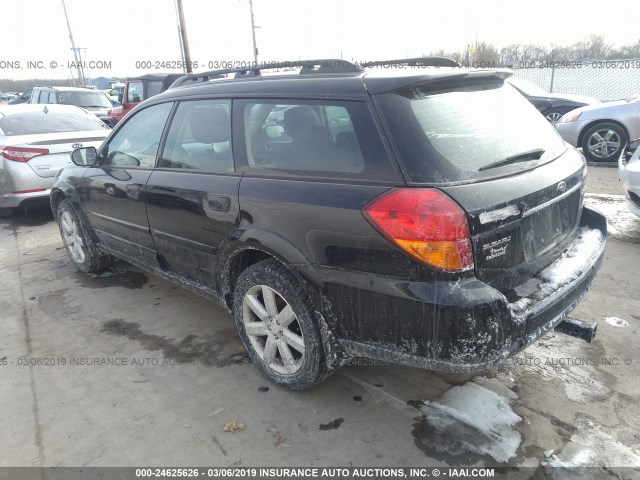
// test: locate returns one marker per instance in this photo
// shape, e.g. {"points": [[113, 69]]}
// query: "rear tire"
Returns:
{"points": [[79, 245], [6, 212], [604, 142], [275, 321]]}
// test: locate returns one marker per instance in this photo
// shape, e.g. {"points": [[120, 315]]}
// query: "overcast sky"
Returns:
{"points": [[125, 31]]}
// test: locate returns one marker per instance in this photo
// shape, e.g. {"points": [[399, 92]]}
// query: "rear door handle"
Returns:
{"points": [[219, 203]]}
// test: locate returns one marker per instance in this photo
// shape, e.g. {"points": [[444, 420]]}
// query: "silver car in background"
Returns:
{"points": [[602, 130], [35, 143]]}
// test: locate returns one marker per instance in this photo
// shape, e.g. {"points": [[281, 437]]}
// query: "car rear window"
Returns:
{"points": [[84, 99], [463, 130], [32, 123]]}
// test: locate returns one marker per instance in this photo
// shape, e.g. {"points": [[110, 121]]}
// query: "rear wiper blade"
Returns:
{"points": [[534, 154]]}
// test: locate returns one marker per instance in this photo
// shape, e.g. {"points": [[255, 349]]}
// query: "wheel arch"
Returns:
{"points": [[247, 255], [65, 191]]}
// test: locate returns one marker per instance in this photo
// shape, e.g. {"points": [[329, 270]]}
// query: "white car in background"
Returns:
{"points": [[630, 175], [36, 141]]}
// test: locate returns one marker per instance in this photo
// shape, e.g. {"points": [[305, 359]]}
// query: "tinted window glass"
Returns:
{"points": [[136, 143], [314, 138], [31, 123], [200, 137], [463, 130]]}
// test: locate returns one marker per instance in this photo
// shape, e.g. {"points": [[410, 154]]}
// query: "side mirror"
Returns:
{"points": [[120, 96], [85, 157]]}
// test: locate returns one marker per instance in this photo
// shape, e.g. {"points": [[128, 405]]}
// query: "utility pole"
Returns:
{"points": [[184, 65], [81, 66], [183, 37], [73, 47], [253, 34]]}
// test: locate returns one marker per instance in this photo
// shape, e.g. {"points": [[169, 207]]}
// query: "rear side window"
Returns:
{"points": [[313, 138], [134, 92], [451, 131], [200, 137], [33, 123], [40, 96], [154, 88]]}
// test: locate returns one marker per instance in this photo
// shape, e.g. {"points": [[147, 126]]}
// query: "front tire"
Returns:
{"points": [[77, 241], [604, 142], [6, 212], [275, 321]]}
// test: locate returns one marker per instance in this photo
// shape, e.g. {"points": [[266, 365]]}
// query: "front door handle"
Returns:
{"points": [[219, 203]]}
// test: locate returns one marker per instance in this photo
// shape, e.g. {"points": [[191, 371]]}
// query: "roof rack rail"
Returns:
{"points": [[306, 67], [415, 62]]}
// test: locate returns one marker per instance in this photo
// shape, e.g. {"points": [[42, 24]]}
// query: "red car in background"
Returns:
{"points": [[140, 88]]}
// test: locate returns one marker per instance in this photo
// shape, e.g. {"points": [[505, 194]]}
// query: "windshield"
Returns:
{"points": [[451, 131], [85, 99], [529, 88], [32, 123]]}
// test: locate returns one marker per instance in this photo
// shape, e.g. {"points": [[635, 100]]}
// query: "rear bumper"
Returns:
{"points": [[31, 199], [457, 326]]}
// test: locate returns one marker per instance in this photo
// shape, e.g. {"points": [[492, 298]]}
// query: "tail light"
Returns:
{"points": [[21, 154], [426, 224]]}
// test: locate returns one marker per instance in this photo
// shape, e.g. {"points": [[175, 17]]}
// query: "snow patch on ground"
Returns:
{"points": [[474, 418], [616, 322], [578, 459], [593, 445], [555, 358], [620, 221]]}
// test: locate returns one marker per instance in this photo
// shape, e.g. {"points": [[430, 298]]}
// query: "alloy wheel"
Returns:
{"points": [[73, 237], [604, 143], [273, 329]]}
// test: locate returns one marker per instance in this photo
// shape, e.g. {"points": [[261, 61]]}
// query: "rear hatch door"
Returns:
{"points": [[520, 224]]}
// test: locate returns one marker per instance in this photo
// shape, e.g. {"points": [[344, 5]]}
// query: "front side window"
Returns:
{"points": [[313, 138], [136, 143], [200, 137]]}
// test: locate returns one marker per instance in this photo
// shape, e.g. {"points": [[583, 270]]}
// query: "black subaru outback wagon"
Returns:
{"points": [[425, 216]]}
